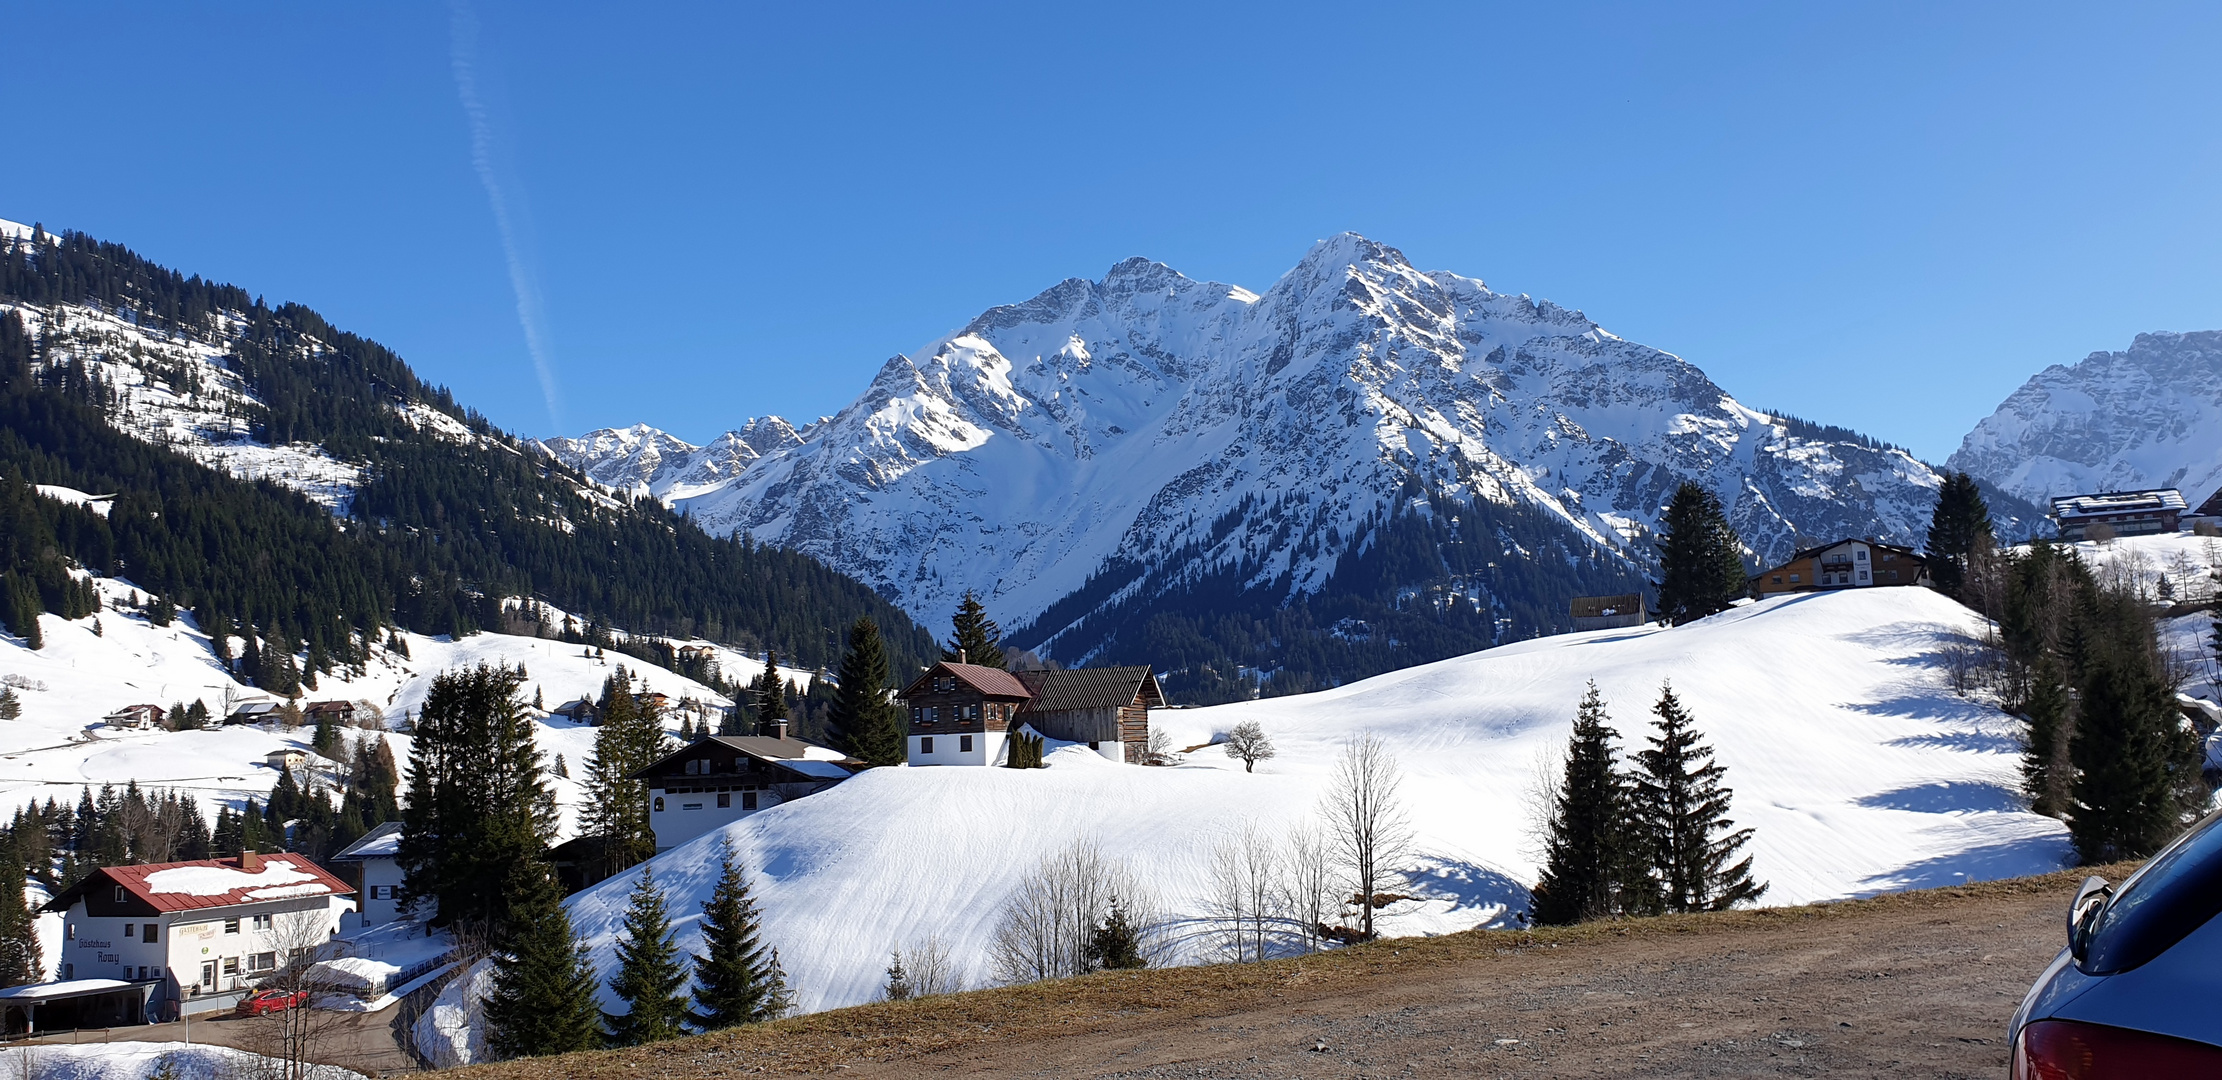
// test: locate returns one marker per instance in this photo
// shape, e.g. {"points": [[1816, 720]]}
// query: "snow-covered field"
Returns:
{"points": [[142, 1060], [61, 744], [1859, 769]]}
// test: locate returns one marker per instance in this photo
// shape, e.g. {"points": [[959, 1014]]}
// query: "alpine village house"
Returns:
{"points": [[1845, 564], [720, 779], [963, 714]]}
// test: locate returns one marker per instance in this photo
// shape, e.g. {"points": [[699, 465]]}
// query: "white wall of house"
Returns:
{"points": [[681, 812], [380, 896], [211, 949], [984, 748]]}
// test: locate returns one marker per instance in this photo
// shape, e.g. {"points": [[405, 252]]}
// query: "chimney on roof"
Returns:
{"points": [[779, 728], [960, 657], [250, 860]]}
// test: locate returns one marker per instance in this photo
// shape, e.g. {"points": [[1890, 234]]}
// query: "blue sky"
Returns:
{"points": [[1879, 216]]}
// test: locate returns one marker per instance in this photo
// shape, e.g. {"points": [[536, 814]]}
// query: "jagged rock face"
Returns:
{"points": [[1151, 420], [2147, 417], [641, 460]]}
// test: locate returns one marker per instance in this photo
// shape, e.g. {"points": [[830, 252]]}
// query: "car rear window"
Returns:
{"points": [[2166, 899]]}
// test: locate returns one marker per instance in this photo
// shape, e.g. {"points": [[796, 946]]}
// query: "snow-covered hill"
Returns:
{"points": [[1859, 769], [2113, 421], [61, 743], [1145, 430]]}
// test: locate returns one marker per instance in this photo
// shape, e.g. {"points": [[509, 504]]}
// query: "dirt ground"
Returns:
{"points": [[1916, 984]]}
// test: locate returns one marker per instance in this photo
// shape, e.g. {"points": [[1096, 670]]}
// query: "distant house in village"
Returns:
{"points": [[287, 759], [136, 716], [186, 931], [376, 858], [578, 710], [962, 714], [1845, 564], [338, 712], [719, 779], [1607, 612], [2127, 513], [254, 712]]}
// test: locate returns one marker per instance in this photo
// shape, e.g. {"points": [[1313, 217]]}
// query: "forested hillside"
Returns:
{"points": [[445, 514]]}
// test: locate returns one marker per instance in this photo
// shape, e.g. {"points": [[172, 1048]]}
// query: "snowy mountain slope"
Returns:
{"points": [[61, 744], [2145, 417], [1154, 429], [641, 460], [1859, 769]]}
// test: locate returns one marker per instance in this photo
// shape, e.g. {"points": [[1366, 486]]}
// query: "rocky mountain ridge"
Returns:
{"points": [[1135, 435]]}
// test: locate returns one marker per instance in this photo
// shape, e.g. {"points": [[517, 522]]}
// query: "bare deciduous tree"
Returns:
{"points": [[1247, 895], [929, 968], [1310, 885], [1049, 920], [1248, 744], [291, 1040], [1365, 821]]}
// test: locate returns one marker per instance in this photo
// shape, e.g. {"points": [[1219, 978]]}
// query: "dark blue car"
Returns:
{"points": [[2138, 991]]}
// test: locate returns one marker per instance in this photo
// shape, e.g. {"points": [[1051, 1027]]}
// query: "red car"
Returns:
{"points": [[270, 1001]]}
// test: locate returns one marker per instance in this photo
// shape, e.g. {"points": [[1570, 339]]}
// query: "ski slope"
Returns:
{"points": [[1859, 769]]}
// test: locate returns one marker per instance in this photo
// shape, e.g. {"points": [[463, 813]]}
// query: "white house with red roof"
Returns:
{"points": [[197, 928]]}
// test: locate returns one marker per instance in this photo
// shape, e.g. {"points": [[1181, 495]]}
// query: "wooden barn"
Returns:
{"points": [[962, 714], [1606, 612]]}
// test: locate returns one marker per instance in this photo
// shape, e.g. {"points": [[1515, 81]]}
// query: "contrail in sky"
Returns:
{"points": [[463, 58]]}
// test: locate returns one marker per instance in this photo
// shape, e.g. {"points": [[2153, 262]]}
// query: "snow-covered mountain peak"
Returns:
{"points": [[2139, 418], [643, 460]]}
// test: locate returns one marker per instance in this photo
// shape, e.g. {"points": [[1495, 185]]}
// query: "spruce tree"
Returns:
{"points": [[479, 812], [978, 640], [732, 976], [543, 1000], [770, 695], [648, 974], [1701, 565], [1585, 846], [1115, 945], [11, 706], [2046, 772], [2133, 761], [869, 724], [1959, 532], [898, 980], [1677, 791], [630, 739], [19, 943]]}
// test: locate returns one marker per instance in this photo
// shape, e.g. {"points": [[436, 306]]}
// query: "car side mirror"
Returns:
{"points": [[2083, 915]]}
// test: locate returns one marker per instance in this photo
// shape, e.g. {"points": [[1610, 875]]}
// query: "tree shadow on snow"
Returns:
{"points": [[2019, 857], [1946, 797], [1977, 741], [1482, 891]]}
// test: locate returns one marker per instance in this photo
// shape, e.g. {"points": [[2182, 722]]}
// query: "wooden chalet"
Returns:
{"points": [[136, 716], [2208, 513], [1845, 564], [338, 712], [719, 779], [963, 714]]}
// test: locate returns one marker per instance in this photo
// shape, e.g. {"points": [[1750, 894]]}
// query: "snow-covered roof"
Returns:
{"points": [[2106, 504], [383, 842], [824, 769], [210, 883], [70, 988]]}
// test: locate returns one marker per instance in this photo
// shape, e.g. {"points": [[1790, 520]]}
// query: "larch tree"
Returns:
{"points": [[734, 980], [1701, 563], [977, 640], [543, 1001], [1960, 532], [1678, 793], [869, 722], [649, 976], [479, 813], [1586, 846]]}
